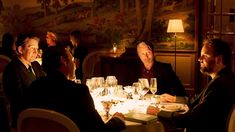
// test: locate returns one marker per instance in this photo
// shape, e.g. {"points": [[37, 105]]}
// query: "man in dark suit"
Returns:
{"points": [[79, 52], [210, 109], [167, 80], [57, 92], [17, 77]]}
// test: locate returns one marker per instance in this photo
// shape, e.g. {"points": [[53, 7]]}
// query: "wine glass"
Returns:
{"points": [[111, 81], [137, 87], [153, 85], [145, 86], [130, 91], [100, 82], [107, 104]]}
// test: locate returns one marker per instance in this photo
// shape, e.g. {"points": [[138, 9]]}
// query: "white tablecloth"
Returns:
{"points": [[138, 127]]}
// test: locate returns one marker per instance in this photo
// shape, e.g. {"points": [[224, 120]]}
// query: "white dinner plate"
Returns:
{"points": [[172, 107]]}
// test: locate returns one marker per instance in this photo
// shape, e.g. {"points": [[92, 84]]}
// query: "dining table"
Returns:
{"points": [[134, 110]]}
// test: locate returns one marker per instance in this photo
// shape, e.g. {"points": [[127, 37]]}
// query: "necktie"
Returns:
{"points": [[31, 72], [30, 69]]}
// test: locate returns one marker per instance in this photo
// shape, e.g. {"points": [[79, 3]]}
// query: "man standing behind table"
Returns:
{"points": [[21, 72], [79, 52], [57, 92], [167, 80], [210, 109]]}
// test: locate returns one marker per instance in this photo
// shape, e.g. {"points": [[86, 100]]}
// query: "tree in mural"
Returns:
{"points": [[122, 6], [144, 24], [45, 4], [138, 15], [125, 5], [56, 5], [148, 22]]}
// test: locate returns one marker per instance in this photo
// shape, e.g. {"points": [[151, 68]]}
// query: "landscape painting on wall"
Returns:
{"points": [[103, 22]]}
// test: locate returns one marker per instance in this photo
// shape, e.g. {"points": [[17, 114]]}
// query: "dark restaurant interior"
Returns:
{"points": [[111, 29]]}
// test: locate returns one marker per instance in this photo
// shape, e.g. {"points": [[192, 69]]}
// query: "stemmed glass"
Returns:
{"points": [[145, 86], [107, 104], [97, 86], [111, 81], [153, 85], [130, 91], [138, 89]]}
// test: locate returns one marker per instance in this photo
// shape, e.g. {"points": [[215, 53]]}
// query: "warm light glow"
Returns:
{"points": [[175, 26], [114, 49]]}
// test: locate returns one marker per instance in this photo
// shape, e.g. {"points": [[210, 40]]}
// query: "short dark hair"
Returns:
{"points": [[148, 43], [22, 38], [221, 47], [51, 58], [76, 34]]}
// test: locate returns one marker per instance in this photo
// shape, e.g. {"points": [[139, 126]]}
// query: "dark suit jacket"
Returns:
{"points": [[209, 111], [16, 78], [80, 52], [167, 80], [56, 93]]}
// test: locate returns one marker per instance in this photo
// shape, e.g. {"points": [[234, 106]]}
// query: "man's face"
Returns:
{"points": [[29, 50], [50, 41], [207, 60], [145, 53]]}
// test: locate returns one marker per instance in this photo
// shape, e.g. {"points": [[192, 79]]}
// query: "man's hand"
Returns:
{"points": [[152, 110], [120, 116], [167, 98]]}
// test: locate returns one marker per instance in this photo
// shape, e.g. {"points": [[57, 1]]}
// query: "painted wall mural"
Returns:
{"points": [[102, 22]]}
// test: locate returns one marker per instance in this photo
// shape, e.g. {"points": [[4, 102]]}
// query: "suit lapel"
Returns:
{"points": [[206, 91]]}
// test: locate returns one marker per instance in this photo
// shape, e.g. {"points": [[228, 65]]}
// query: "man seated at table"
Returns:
{"points": [[21, 72], [57, 92], [210, 109], [167, 80]]}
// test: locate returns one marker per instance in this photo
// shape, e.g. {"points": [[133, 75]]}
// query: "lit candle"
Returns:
{"points": [[114, 49]]}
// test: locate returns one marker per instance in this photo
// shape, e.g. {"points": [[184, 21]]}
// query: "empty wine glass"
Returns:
{"points": [[111, 81], [100, 82], [153, 85], [145, 86]]}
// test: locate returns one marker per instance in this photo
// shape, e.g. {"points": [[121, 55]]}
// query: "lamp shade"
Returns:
{"points": [[175, 26]]}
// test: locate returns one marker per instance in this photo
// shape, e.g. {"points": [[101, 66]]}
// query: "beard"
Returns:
{"points": [[208, 68]]}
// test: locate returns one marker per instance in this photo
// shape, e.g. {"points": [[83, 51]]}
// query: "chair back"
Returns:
{"points": [[4, 60], [91, 63], [231, 120], [43, 120]]}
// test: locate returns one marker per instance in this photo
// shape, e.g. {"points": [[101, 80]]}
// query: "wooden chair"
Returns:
{"points": [[91, 63], [43, 120], [231, 120]]}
